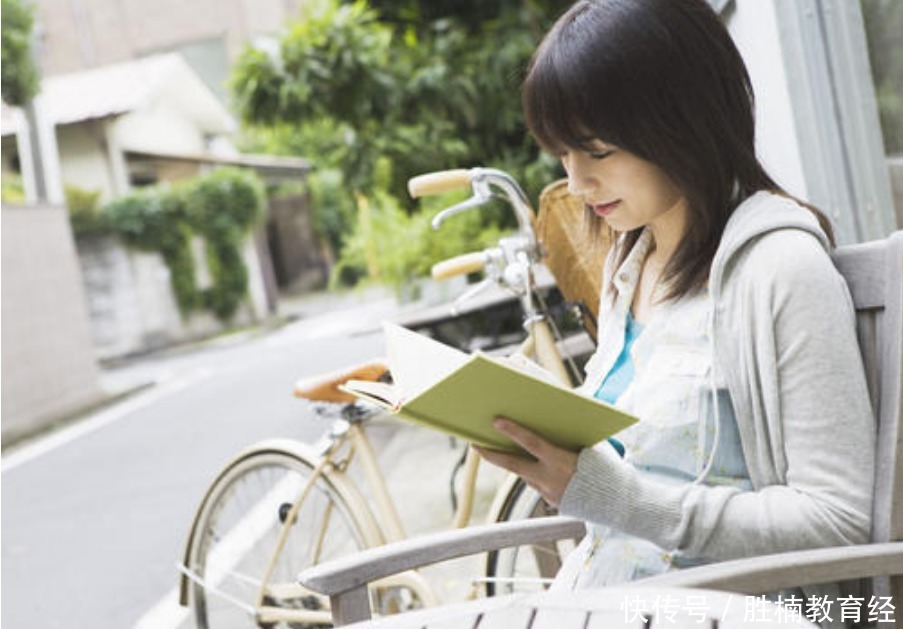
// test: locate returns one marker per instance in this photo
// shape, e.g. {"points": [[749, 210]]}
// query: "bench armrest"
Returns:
{"points": [[769, 573], [345, 579]]}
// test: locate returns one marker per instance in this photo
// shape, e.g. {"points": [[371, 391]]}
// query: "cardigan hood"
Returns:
{"points": [[758, 215], [785, 343]]}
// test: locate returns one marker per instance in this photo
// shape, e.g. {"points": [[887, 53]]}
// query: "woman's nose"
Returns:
{"points": [[579, 182]]}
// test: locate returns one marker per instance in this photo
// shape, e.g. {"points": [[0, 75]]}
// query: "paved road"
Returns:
{"points": [[95, 515]]}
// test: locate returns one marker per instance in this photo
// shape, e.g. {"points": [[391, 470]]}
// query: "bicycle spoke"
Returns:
{"points": [[248, 548]]}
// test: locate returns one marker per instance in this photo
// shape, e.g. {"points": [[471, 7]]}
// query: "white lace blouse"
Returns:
{"points": [[672, 392]]}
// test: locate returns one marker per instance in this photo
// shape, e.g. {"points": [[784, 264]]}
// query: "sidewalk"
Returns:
{"points": [[419, 463]]}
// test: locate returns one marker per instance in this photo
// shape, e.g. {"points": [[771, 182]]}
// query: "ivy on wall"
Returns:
{"points": [[221, 207]]}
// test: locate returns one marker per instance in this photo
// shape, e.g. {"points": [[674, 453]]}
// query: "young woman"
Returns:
{"points": [[723, 325]]}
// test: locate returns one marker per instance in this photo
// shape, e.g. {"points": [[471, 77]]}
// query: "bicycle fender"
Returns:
{"points": [[371, 531], [501, 498]]}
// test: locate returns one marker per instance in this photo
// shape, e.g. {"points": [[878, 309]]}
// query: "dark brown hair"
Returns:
{"points": [[663, 80]]}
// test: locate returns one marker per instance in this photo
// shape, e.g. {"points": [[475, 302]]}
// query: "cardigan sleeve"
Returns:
{"points": [[801, 402]]}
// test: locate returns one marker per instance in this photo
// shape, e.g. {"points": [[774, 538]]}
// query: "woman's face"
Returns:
{"points": [[624, 190]]}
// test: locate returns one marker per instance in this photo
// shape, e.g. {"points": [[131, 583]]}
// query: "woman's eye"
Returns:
{"points": [[600, 154]]}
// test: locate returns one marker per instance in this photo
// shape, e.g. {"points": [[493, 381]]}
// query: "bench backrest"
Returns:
{"points": [[874, 273]]}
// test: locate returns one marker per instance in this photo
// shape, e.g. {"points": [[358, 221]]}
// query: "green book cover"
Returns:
{"points": [[462, 394]]}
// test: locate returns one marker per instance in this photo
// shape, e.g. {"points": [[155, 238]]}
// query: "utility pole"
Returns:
{"points": [[40, 157]]}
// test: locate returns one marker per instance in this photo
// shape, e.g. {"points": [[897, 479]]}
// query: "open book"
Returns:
{"points": [[441, 387]]}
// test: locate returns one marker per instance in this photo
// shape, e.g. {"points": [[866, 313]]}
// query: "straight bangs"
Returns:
{"points": [[552, 109], [579, 85], [560, 97]]}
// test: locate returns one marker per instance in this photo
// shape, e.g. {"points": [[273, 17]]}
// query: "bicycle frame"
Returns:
{"points": [[378, 517], [392, 528]]}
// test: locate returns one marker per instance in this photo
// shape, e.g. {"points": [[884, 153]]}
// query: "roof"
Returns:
{"points": [[274, 166], [124, 87]]}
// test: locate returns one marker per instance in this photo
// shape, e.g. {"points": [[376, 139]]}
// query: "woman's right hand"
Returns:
{"points": [[549, 468]]}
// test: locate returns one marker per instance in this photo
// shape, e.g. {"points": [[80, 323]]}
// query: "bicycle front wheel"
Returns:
{"points": [[252, 505], [527, 568]]}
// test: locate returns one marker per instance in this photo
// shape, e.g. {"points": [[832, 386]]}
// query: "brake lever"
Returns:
{"points": [[470, 293], [457, 208], [482, 195]]}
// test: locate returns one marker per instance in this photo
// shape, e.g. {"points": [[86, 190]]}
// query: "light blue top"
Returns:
{"points": [[621, 373]]}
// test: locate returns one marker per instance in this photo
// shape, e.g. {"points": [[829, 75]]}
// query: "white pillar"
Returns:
{"points": [[45, 174], [26, 157]]}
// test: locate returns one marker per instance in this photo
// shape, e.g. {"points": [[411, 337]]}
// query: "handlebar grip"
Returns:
{"points": [[459, 265], [438, 182]]}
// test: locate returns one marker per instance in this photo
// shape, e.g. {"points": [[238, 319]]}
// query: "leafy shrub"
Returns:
{"points": [[332, 206], [85, 211], [154, 219], [394, 247], [225, 204], [13, 191], [222, 207]]}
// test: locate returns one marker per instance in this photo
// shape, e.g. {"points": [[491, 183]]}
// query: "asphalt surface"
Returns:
{"points": [[97, 510]]}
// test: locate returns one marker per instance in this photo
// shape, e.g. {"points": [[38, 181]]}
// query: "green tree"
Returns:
{"points": [[884, 26], [20, 77], [375, 93], [427, 85]]}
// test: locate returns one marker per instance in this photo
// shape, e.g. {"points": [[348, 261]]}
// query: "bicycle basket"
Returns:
{"points": [[572, 255]]}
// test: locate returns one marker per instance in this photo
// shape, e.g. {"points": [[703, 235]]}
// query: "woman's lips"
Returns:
{"points": [[604, 209]]}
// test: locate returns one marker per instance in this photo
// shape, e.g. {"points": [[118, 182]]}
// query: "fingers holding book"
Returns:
{"points": [[548, 469]]}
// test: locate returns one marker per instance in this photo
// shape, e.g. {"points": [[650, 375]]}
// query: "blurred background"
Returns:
{"points": [[211, 157], [179, 170]]}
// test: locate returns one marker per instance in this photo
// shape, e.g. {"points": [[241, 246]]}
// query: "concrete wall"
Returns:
{"points": [[49, 369], [79, 34], [130, 302]]}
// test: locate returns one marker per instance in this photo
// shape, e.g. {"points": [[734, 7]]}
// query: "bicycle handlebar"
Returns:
{"points": [[459, 265], [510, 264], [438, 182], [483, 181]]}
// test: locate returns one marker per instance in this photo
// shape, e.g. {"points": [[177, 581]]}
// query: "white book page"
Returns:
{"points": [[374, 391], [417, 362], [531, 368]]}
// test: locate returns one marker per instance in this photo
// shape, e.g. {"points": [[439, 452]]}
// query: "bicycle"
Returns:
{"points": [[282, 505]]}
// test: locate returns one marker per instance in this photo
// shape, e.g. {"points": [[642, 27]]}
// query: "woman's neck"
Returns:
{"points": [[667, 232]]}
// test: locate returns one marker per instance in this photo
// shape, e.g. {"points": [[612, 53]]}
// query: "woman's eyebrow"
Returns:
{"points": [[593, 144]]}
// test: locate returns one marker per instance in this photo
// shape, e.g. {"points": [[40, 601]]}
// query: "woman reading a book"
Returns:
{"points": [[723, 324]]}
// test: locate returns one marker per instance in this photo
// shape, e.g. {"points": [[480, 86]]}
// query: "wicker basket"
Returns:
{"points": [[573, 256]]}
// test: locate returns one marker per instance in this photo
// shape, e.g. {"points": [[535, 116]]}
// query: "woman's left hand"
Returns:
{"points": [[549, 472]]}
